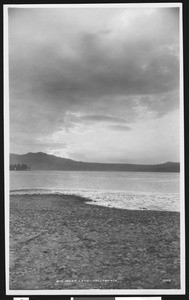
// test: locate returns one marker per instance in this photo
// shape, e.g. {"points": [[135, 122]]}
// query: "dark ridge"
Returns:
{"points": [[44, 161]]}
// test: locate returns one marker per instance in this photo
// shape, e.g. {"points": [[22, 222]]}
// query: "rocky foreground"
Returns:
{"points": [[61, 242]]}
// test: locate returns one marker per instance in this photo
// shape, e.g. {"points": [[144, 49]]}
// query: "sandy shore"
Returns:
{"points": [[61, 242]]}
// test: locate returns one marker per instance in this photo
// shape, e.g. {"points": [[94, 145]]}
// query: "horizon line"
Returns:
{"points": [[40, 152]]}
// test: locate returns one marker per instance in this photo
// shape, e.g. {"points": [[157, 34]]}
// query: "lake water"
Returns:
{"points": [[125, 190]]}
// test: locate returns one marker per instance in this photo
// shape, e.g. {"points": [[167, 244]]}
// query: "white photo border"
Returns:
{"points": [[94, 292]]}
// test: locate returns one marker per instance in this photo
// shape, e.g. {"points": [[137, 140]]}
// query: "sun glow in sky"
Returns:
{"points": [[95, 84]]}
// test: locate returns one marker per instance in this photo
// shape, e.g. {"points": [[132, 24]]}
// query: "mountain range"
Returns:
{"points": [[43, 161]]}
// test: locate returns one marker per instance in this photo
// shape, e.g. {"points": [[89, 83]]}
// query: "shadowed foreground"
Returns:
{"points": [[61, 242]]}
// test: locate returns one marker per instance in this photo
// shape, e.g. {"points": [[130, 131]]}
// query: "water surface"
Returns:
{"points": [[126, 190]]}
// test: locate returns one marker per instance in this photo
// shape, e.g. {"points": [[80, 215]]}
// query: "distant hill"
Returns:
{"points": [[43, 161]]}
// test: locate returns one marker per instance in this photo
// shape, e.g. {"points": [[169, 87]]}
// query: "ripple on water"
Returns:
{"points": [[121, 200]]}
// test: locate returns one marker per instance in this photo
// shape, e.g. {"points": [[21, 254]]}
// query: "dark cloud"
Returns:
{"points": [[102, 118], [70, 67], [120, 127]]}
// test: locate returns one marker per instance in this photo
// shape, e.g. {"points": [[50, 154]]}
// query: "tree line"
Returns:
{"points": [[19, 167]]}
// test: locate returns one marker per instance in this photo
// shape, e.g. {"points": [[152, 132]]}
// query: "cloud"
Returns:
{"points": [[72, 69], [101, 118], [120, 127]]}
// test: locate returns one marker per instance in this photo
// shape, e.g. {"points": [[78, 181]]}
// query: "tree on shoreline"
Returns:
{"points": [[19, 167]]}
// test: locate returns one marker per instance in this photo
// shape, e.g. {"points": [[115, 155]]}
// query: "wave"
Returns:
{"points": [[117, 199], [35, 192]]}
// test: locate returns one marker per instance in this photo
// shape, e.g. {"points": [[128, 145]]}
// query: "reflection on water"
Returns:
{"points": [[126, 190]]}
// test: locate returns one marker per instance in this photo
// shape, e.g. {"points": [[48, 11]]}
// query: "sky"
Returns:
{"points": [[95, 84]]}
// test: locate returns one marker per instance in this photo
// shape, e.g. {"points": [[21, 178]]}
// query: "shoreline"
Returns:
{"points": [[61, 242], [94, 200]]}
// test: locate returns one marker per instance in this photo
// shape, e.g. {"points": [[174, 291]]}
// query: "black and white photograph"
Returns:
{"points": [[94, 149]]}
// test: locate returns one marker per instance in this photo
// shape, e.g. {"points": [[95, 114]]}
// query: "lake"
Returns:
{"points": [[124, 190]]}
